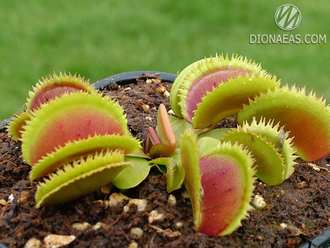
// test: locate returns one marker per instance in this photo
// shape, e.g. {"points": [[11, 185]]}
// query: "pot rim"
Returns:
{"points": [[130, 77], [321, 241]]}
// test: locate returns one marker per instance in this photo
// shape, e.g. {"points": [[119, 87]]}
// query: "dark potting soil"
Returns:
{"points": [[294, 211]]}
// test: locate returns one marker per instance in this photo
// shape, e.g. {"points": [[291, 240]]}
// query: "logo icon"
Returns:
{"points": [[287, 17]]}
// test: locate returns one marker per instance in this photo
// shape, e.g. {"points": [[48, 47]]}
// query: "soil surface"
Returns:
{"points": [[295, 211]]}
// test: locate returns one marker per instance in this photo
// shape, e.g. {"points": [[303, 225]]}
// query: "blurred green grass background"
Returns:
{"points": [[97, 39]]}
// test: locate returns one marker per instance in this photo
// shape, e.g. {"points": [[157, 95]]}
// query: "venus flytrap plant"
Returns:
{"points": [[65, 131], [218, 174], [78, 139], [274, 123]]}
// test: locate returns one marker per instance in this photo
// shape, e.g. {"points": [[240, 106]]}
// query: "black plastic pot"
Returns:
{"points": [[321, 241], [130, 77]]}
